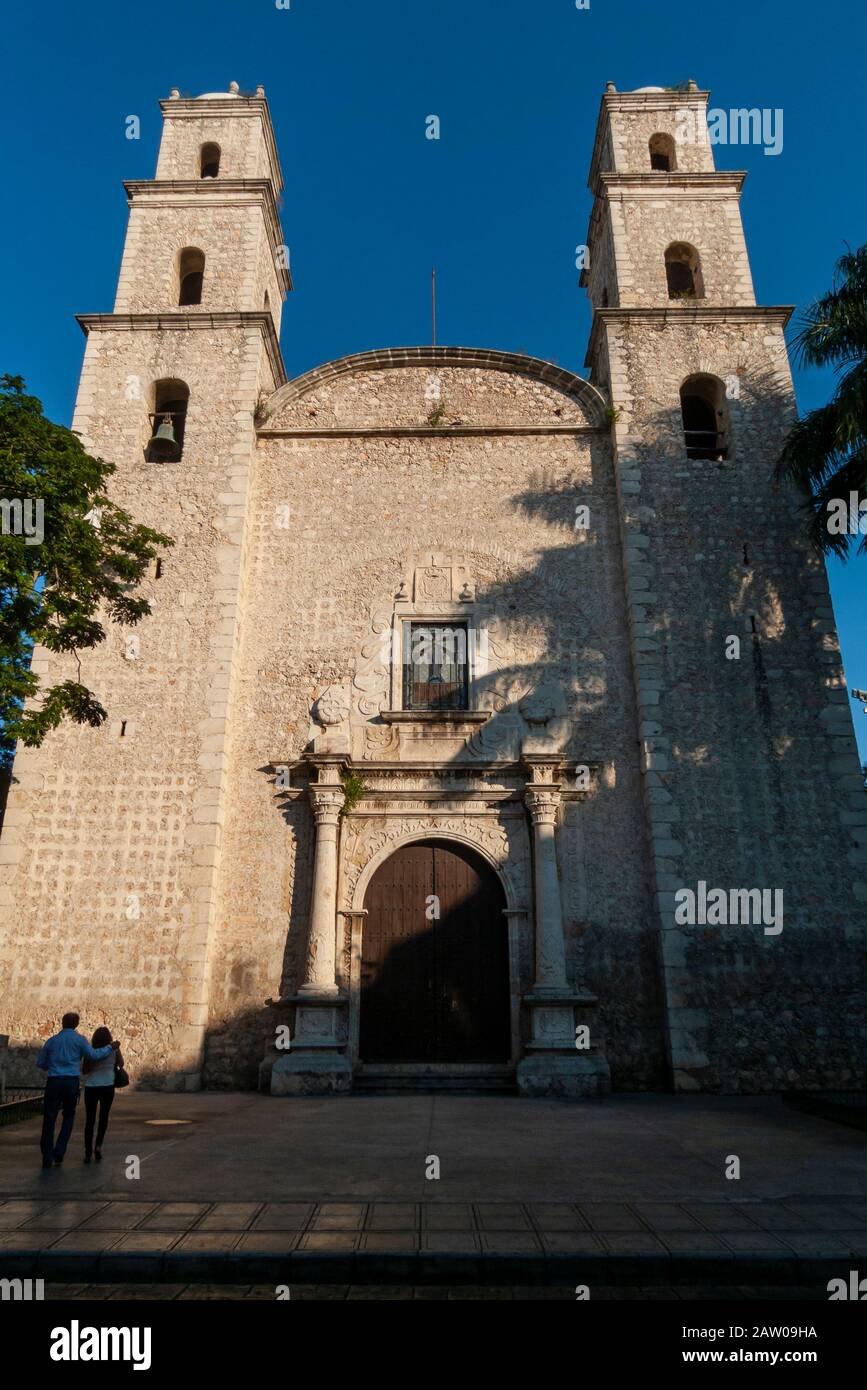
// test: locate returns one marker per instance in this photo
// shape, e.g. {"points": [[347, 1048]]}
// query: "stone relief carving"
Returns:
{"points": [[296, 893], [433, 584], [541, 703], [371, 680], [381, 741], [535, 683], [445, 782], [445, 578], [500, 739], [505, 843], [573, 879], [332, 707]]}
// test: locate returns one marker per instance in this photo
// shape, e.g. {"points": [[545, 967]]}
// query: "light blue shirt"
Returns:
{"points": [[100, 1076], [62, 1054]]}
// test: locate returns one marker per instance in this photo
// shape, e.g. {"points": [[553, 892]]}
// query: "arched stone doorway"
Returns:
{"points": [[434, 959]]}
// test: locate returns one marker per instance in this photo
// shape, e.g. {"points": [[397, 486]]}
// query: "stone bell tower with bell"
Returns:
{"points": [[168, 394]]}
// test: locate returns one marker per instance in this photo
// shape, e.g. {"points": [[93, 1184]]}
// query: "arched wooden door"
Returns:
{"points": [[434, 989]]}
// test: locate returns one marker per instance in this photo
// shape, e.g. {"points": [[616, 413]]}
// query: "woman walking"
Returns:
{"points": [[99, 1084]]}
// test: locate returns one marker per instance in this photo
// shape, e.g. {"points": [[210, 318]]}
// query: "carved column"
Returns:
{"points": [[316, 1063], [326, 800], [543, 802], [553, 1065]]}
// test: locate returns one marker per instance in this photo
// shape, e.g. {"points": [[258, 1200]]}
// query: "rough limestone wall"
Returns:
{"points": [[110, 842], [711, 224], [602, 270], [751, 772], [265, 275], [238, 263], [358, 506], [471, 395], [606, 152], [632, 128], [243, 152]]}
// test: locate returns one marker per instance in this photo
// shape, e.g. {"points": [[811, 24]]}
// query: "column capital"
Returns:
{"points": [[543, 802], [327, 802]]}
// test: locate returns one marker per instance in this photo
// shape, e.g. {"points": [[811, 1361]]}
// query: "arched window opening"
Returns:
{"points": [[705, 418], [191, 272], [662, 153], [209, 161], [683, 272], [266, 303], [168, 421]]}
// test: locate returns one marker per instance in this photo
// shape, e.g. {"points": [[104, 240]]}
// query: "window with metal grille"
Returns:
{"points": [[435, 666]]}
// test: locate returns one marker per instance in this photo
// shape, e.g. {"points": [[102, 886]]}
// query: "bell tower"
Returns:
{"points": [[750, 772], [211, 212], [122, 825]]}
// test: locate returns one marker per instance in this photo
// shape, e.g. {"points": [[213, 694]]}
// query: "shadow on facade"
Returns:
{"points": [[721, 543]]}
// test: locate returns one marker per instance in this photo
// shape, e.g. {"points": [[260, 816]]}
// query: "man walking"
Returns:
{"points": [[61, 1058]]}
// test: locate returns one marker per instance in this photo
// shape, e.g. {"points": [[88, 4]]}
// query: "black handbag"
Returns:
{"points": [[121, 1078]]}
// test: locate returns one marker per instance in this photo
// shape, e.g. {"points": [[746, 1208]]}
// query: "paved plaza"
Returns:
{"points": [[243, 1189]]}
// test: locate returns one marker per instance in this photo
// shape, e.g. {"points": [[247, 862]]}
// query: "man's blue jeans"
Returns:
{"points": [[61, 1093]]}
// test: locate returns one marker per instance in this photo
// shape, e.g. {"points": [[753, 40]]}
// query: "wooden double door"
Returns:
{"points": [[435, 959]]}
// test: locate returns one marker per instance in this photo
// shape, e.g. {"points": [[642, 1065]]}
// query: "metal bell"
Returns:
{"points": [[163, 444]]}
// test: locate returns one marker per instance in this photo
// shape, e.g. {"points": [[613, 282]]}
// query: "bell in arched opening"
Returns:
{"points": [[168, 421], [163, 444]]}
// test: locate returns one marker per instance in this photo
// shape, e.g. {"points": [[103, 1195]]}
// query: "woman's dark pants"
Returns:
{"points": [[101, 1096]]}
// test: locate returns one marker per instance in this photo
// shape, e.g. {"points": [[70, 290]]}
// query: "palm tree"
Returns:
{"points": [[826, 451]]}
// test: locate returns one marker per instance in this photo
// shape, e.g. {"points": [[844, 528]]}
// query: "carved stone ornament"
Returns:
{"points": [[505, 844], [539, 705], [433, 584], [372, 666], [327, 803], [332, 707], [543, 804]]}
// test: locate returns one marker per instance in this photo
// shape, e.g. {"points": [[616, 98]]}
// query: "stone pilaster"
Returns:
{"points": [[554, 1064], [543, 803], [316, 1063]]}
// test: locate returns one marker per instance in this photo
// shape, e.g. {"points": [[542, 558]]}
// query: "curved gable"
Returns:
{"points": [[405, 387]]}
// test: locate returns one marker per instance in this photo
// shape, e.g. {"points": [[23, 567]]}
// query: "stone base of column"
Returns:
{"points": [[316, 1064], [553, 1065], [558, 1074], [311, 1074]]}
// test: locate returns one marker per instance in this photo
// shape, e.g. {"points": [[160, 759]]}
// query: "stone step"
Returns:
{"points": [[465, 1080]]}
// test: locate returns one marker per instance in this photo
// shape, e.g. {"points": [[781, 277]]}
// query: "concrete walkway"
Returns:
{"points": [[246, 1189]]}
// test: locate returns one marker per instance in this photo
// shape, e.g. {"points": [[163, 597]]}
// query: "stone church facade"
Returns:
{"points": [[438, 707]]}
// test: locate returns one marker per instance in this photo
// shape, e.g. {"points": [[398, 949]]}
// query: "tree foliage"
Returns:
{"points": [[826, 451], [58, 590]]}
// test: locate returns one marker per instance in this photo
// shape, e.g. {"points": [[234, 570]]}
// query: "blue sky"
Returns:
{"points": [[498, 204]]}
